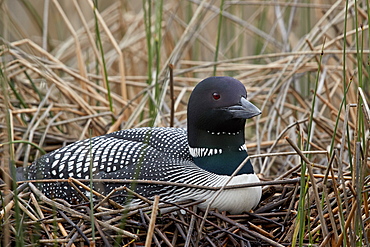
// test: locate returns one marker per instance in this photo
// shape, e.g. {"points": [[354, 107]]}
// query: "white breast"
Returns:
{"points": [[234, 201]]}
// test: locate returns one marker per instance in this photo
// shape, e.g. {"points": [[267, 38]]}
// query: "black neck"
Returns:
{"points": [[219, 152]]}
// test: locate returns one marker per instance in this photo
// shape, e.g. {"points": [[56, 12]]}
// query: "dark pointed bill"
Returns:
{"points": [[243, 110]]}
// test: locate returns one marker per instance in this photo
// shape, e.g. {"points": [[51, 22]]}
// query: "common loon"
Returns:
{"points": [[206, 154]]}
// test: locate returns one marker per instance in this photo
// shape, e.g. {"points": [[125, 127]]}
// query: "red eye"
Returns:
{"points": [[216, 96]]}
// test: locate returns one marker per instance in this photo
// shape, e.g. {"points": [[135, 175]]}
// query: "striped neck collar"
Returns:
{"points": [[222, 161], [203, 152]]}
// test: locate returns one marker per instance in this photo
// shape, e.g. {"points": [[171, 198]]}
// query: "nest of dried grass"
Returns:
{"points": [[273, 222], [312, 84]]}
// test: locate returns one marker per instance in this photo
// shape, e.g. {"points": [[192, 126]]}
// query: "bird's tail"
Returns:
{"points": [[20, 174]]}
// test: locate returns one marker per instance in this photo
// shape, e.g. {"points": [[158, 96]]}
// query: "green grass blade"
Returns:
{"points": [[100, 46], [25, 142], [11, 166]]}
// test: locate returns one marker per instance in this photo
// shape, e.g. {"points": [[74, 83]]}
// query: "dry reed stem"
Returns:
{"points": [[149, 236]]}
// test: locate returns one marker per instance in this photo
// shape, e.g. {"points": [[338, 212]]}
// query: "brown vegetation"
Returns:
{"points": [[308, 74]]}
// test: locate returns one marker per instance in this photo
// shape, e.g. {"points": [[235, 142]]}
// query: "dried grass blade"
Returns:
{"points": [[71, 211], [149, 237], [73, 225]]}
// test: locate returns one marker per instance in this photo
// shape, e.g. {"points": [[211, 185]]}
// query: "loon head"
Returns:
{"points": [[217, 111]]}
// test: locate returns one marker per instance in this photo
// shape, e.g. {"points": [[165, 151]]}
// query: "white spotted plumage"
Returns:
{"points": [[171, 161]]}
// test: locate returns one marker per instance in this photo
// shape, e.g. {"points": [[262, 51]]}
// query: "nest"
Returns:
{"points": [[335, 205]]}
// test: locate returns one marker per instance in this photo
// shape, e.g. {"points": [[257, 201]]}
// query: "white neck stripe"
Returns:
{"points": [[203, 152]]}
